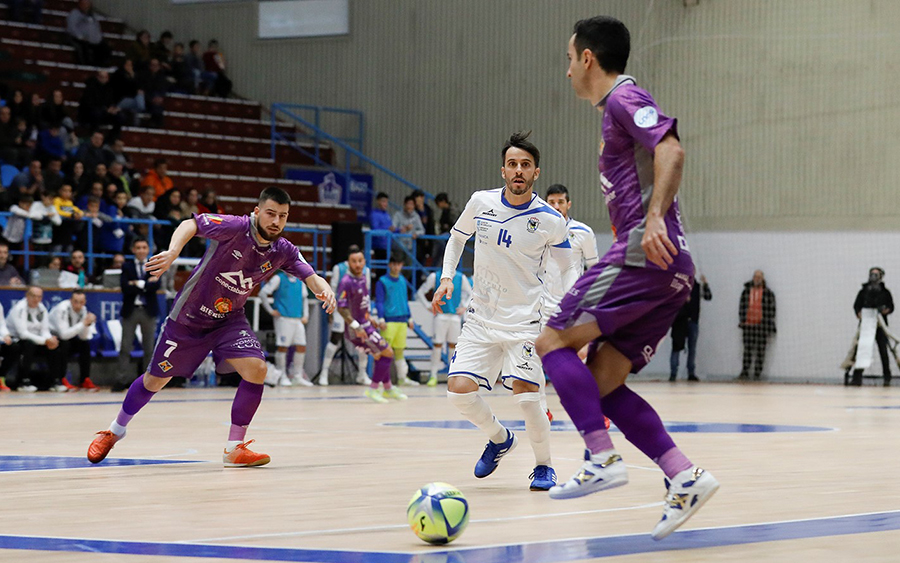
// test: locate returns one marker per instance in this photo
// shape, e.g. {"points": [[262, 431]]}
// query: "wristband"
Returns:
{"points": [[354, 325]]}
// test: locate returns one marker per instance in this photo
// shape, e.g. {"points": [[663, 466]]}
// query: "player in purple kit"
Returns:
{"points": [[208, 315], [353, 306], [624, 305]]}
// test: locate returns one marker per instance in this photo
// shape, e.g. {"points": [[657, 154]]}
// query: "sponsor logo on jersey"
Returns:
{"points": [[247, 343], [212, 219], [533, 224], [646, 117], [165, 366], [223, 305], [525, 366], [266, 267], [235, 282], [489, 213], [237, 254], [528, 350], [648, 353], [453, 358], [210, 312]]}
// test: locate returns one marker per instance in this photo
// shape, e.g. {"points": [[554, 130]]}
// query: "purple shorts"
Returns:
{"points": [[633, 307], [373, 344], [181, 349]]}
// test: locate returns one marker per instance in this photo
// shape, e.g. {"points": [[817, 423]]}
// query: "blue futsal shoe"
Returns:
{"points": [[492, 455], [542, 478]]}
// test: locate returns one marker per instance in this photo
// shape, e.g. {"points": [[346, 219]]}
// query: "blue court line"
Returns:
{"points": [[885, 408], [559, 551], [42, 462]]}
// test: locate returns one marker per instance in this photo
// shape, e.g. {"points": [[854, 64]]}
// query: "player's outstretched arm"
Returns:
{"points": [[668, 163], [323, 292], [158, 265]]}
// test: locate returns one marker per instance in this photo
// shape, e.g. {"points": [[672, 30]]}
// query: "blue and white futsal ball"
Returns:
{"points": [[438, 513]]}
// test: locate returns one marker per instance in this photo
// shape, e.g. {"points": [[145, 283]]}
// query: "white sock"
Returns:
{"points": [[330, 350], [363, 363], [478, 412], [435, 360], [536, 425], [281, 361], [297, 364], [402, 368], [544, 400], [231, 444], [117, 429]]}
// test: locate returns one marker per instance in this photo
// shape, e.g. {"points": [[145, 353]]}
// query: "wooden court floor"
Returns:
{"points": [[808, 473]]}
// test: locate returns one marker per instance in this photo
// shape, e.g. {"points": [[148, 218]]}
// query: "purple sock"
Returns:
{"points": [[135, 399], [674, 462], [640, 424], [382, 372], [579, 395], [246, 401]]}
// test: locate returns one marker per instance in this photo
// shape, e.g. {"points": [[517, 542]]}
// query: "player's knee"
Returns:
{"points": [[153, 383], [520, 387], [457, 384], [547, 342], [387, 352], [461, 400], [525, 400]]}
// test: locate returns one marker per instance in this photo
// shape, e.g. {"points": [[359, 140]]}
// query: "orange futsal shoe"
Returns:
{"points": [[101, 445], [550, 415], [606, 421], [242, 456], [88, 384]]}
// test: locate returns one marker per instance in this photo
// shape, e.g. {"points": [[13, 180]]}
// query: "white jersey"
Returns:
{"points": [[511, 250], [584, 249]]}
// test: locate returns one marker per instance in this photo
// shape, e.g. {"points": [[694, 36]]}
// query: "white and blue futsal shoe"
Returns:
{"points": [[601, 471], [493, 453], [687, 492], [543, 478]]}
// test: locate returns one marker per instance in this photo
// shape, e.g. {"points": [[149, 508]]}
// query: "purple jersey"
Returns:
{"points": [[632, 127], [233, 264], [353, 294]]}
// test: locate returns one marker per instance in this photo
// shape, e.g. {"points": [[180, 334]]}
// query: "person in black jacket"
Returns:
{"points": [[687, 328], [98, 104], [139, 307], [874, 295], [757, 321]]}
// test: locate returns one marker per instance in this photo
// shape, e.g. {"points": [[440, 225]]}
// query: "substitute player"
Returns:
{"points": [[394, 318], [208, 315], [448, 322], [514, 231], [290, 313], [626, 303], [337, 328], [353, 306]]}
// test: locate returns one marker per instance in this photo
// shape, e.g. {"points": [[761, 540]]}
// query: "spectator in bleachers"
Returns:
{"points": [[54, 113], [29, 327], [162, 49], [14, 232], [91, 153], [73, 325], [12, 151], [29, 182], [26, 136], [76, 266], [189, 205], [86, 36], [17, 7], [51, 144], [127, 95], [44, 218], [158, 178], [209, 204], [407, 221], [154, 83], [17, 104], [214, 70], [380, 220], [119, 155], [53, 176], [139, 307], [168, 208], [9, 276], [426, 214], [33, 112], [139, 51], [142, 205], [113, 233], [71, 219], [98, 104], [96, 190], [194, 60], [76, 177], [118, 178], [100, 176], [97, 220], [180, 72]]}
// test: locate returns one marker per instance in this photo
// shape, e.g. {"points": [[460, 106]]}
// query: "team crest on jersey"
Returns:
{"points": [[533, 224], [237, 254], [528, 350], [223, 305], [213, 219], [266, 267], [165, 366]]}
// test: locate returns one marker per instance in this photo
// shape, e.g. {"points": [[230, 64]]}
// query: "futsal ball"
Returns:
{"points": [[438, 513]]}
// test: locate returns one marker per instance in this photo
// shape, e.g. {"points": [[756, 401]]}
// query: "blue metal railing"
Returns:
{"points": [[395, 241], [317, 128], [319, 258]]}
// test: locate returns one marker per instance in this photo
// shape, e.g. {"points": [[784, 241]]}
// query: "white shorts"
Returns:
{"points": [[289, 332], [447, 328], [337, 322], [487, 355]]}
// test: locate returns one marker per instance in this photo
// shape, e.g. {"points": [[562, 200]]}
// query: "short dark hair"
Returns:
{"points": [[397, 258], [192, 43], [78, 292], [166, 35], [607, 38], [558, 189], [353, 249], [519, 141], [417, 193], [212, 42], [157, 162], [409, 198], [442, 197], [139, 239], [380, 195], [277, 195]]}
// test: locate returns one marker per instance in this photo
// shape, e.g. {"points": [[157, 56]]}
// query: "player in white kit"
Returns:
{"points": [[515, 232]]}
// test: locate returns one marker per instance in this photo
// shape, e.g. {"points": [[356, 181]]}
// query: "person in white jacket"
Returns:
{"points": [[6, 351], [29, 327], [74, 326]]}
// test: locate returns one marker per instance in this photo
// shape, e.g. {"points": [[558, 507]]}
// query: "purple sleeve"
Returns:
{"points": [[220, 227], [342, 300], [636, 112], [296, 265]]}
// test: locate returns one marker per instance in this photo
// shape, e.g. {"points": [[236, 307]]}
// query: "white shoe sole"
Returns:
{"points": [[560, 492], [676, 523]]}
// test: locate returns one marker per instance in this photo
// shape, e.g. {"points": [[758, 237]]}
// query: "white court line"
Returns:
{"points": [[401, 526]]}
